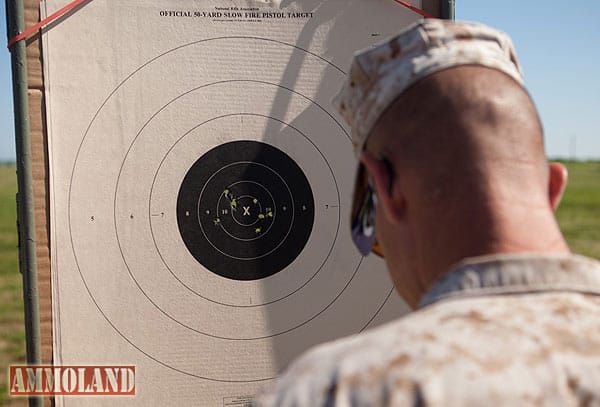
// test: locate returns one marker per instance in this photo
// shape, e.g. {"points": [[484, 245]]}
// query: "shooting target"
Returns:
{"points": [[221, 217], [201, 184]]}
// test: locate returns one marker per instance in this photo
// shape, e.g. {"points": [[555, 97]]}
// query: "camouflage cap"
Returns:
{"points": [[379, 75]]}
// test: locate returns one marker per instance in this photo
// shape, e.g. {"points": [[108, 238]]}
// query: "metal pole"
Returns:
{"points": [[447, 11], [25, 210]]}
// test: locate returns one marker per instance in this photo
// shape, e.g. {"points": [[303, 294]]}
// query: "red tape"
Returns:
{"points": [[27, 33], [415, 9]]}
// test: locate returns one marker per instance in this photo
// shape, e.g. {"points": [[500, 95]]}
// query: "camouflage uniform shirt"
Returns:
{"points": [[501, 330]]}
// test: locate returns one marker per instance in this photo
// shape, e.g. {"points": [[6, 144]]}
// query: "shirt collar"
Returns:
{"points": [[510, 274]]}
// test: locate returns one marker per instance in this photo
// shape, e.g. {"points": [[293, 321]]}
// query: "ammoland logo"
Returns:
{"points": [[72, 380]]}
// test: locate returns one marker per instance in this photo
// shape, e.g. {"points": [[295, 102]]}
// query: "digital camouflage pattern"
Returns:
{"points": [[498, 330], [379, 75]]}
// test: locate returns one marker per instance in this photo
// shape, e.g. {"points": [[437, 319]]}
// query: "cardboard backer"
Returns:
{"points": [[89, 333]]}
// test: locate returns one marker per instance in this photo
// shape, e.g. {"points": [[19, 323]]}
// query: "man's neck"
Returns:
{"points": [[522, 230]]}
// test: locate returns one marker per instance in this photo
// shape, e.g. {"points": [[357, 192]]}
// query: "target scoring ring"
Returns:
{"points": [[187, 270], [231, 207], [254, 207]]}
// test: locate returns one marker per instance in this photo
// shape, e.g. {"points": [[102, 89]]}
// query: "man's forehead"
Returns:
{"points": [[379, 75]]}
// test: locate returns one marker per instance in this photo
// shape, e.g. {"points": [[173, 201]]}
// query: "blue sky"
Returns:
{"points": [[558, 44], [7, 133]]}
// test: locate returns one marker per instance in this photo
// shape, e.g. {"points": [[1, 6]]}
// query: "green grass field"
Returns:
{"points": [[12, 330], [579, 212], [578, 215]]}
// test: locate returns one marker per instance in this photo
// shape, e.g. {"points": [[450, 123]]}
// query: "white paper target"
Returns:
{"points": [[201, 200], [145, 257]]}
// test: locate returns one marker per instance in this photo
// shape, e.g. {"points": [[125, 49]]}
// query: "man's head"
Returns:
{"points": [[452, 144]]}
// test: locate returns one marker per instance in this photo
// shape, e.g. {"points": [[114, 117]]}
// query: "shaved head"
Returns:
{"points": [[461, 126]]}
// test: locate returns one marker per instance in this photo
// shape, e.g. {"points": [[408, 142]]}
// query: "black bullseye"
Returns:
{"points": [[245, 210]]}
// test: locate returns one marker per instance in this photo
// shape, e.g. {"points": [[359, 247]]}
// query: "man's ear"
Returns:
{"points": [[387, 197], [557, 183]]}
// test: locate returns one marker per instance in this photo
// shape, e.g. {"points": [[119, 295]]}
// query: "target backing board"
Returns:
{"points": [[200, 190]]}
